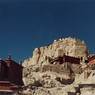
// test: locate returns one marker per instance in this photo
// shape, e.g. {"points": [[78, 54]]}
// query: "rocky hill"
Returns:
{"points": [[46, 73]]}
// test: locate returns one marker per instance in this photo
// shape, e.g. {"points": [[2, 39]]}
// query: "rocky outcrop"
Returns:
{"points": [[56, 83], [68, 46], [58, 73], [43, 78]]}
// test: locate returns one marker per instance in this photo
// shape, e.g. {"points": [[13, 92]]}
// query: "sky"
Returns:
{"points": [[27, 24]]}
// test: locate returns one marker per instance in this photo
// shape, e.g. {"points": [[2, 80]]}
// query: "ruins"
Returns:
{"points": [[64, 67]]}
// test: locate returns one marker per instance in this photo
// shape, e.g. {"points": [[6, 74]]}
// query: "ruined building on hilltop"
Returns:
{"points": [[64, 67], [70, 47]]}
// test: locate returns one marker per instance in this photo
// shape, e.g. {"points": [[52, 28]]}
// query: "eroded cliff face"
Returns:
{"points": [[43, 78]]}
